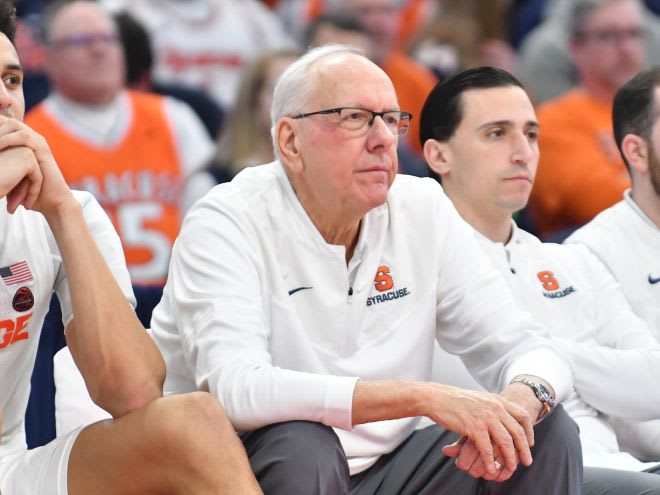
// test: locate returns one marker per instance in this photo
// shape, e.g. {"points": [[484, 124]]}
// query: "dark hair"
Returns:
{"points": [[633, 110], [8, 19], [340, 20], [137, 47], [442, 111]]}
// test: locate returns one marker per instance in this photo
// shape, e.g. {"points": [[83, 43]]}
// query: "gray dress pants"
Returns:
{"points": [[303, 458]]}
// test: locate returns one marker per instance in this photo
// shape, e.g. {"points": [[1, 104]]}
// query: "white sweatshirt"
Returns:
{"points": [[265, 314]]}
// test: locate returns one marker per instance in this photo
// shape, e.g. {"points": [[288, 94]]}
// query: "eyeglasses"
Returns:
{"points": [[613, 36], [357, 119], [85, 40]]}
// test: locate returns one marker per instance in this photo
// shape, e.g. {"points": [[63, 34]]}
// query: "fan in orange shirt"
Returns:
{"points": [[133, 151]]}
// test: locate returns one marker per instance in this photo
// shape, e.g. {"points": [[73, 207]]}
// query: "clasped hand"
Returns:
{"points": [[29, 175], [496, 433]]}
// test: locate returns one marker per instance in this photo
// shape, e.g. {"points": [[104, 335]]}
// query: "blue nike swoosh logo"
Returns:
{"points": [[293, 291], [653, 281]]}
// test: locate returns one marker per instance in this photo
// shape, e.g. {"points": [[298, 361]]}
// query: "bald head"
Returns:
{"points": [[297, 83], [84, 57]]}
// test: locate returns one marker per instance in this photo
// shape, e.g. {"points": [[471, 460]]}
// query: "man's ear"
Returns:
{"points": [[436, 154], [636, 152], [286, 140]]}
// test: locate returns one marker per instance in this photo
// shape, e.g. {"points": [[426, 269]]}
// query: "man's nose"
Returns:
{"points": [[5, 97], [524, 150], [382, 132]]}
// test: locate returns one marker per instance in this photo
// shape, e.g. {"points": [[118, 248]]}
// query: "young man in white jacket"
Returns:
{"points": [[480, 132], [626, 237]]}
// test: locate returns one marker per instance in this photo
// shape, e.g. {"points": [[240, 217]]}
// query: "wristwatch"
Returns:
{"points": [[542, 394]]}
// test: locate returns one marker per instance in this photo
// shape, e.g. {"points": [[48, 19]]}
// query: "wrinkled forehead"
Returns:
{"points": [[350, 79]]}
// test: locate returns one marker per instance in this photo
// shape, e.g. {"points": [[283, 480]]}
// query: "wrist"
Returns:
{"points": [[538, 393], [61, 212], [422, 395]]}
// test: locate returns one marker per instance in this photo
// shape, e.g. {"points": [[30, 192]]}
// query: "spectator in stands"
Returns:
{"points": [[55, 240], [580, 171], [246, 141], [139, 59], [338, 27], [626, 237], [206, 44], [480, 135], [132, 151], [546, 65], [463, 34], [279, 314]]}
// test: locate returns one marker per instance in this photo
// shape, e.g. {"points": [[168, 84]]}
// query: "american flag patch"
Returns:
{"points": [[16, 273]]}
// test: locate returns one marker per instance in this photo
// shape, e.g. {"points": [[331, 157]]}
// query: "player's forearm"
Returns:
{"points": [[121, 365]]}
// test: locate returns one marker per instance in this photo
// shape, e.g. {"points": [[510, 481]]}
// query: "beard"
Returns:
{"points": [[654, 169]]}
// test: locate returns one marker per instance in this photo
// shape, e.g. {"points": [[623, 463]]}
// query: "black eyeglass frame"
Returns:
{"points": [[403, 116]]}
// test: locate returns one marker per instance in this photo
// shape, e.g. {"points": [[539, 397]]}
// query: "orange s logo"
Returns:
{"points": [[548, 280], [383, 280]]}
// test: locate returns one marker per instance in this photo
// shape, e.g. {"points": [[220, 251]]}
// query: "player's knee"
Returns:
{"points": [[184, 420]]}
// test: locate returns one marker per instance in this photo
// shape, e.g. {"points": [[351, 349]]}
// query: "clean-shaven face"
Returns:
{"points": [[12, 103], [494, 153], [348, 168]]}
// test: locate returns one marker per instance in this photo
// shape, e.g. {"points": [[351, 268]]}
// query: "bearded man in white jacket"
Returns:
{"points": [[480, 136]]}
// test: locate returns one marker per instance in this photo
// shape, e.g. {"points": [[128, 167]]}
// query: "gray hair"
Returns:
{"points": [[294, 87], [580, 11]]}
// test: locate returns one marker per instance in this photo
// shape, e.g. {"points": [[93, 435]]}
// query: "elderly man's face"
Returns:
{"points": [[610, 50], [353, 169], [85, 59]]}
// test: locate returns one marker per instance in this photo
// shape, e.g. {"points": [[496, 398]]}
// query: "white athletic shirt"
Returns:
{"points": [[265, 314], [628, 242], [570, 290], [31, 269], [206, 44]]}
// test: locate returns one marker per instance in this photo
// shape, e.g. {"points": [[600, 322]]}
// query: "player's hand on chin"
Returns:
{"points": [[30, 176]]}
